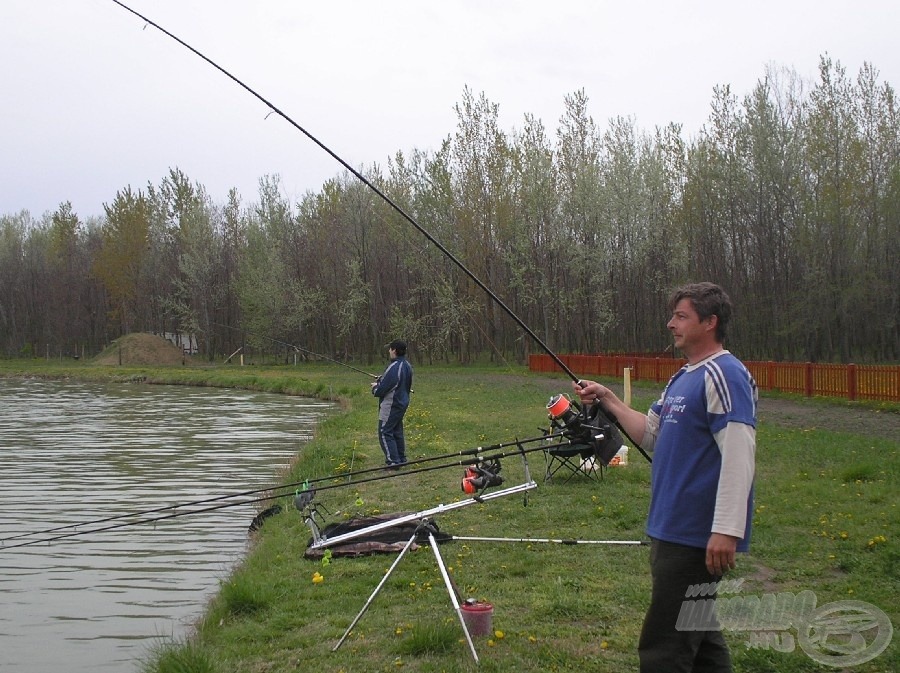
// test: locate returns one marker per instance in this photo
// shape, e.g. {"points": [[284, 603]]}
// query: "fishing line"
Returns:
{"points": [[274, 109]]}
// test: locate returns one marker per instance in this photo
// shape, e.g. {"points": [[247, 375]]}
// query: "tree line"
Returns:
{"points": [[789, 197]]}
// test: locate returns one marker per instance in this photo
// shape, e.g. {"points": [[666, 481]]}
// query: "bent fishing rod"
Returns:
{"points": [[297, 348], [273, 109], [359, 176]]}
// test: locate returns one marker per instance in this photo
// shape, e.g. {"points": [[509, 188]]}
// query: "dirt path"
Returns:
{"points": [[838, 418]]}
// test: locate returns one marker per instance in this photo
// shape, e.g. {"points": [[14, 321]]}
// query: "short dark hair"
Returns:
{"points": [[399, 347], [708, 299]]}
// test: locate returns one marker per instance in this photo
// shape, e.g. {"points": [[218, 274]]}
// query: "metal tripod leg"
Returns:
{"points": [[449, 584], [452, 591], [375, 593]]}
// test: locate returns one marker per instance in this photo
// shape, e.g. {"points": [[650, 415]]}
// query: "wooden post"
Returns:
{"points": [[627, 385]]}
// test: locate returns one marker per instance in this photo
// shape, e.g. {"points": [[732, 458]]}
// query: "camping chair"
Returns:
{"points": [[573, 460]]}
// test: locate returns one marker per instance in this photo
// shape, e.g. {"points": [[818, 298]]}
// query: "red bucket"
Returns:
{"points": [[478, 617]]}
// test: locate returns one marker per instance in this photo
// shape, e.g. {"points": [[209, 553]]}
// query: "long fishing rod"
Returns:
{"points": [[302, 499], [125, 524], [395, 206], [406, 216], [297, 348], [299, 489]]}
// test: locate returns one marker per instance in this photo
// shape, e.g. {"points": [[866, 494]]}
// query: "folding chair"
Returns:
{"points": [[571, 461]]}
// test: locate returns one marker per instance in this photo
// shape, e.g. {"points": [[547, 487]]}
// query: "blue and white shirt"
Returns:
{"points": [[394, 387], [703, 434]]}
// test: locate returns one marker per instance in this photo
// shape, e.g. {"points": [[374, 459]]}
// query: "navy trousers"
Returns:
{"points": [[390, 437]]}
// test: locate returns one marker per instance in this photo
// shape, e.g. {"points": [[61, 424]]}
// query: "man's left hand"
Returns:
{"points": [[720, 553]]}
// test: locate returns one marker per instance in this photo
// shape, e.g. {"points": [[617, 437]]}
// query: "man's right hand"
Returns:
{"points": [[589, 391]]}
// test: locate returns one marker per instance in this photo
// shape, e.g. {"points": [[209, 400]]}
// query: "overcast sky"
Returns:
{"points": [[94, 101]]}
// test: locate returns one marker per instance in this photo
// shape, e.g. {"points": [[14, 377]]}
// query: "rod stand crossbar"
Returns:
{"points": [[320, 541]]}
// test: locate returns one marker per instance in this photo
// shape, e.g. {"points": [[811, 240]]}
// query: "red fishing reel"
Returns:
{"points": [[481, 476], [562, 413], [587, 427]]}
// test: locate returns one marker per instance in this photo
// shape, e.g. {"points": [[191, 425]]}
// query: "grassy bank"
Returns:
{"points": [[826, 521]]}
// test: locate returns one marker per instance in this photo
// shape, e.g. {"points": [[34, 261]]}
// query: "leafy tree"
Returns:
{"points": [[120, 260]]}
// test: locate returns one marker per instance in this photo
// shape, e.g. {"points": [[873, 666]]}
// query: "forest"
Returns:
{"points": [[788, 196]]}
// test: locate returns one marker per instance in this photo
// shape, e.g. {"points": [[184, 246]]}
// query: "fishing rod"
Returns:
{"points": [[359, 176], [481, 478], [406, 216], [563, 541], [175, 515], [478, 477], [297, 348]]}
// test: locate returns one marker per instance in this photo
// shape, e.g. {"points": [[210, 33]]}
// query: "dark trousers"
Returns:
{"points": [[391, 439], [663, 648]]}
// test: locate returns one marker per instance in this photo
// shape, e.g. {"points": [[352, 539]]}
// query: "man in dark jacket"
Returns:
{"points": [[392, 389]]}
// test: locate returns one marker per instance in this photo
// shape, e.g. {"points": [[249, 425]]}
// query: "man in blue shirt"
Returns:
{"points": [[702, 431], [392, 389]]}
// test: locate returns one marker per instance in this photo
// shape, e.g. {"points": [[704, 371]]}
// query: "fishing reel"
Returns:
{"points": [[481, 476], [588, 427]]}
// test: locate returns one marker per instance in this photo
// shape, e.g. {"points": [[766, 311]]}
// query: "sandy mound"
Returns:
{"points": [[140, 349]]}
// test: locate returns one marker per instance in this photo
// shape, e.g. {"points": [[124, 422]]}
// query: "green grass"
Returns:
{"points": [[826, 520]]}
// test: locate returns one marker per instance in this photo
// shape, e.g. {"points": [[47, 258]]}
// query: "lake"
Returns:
{"points": [[76, 457]]}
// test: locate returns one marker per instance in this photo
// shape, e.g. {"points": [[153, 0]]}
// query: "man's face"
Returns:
{"points": [[688, 331], [392, 354]]}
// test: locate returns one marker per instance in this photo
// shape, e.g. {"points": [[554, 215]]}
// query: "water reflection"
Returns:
{"points": [[73, 454]]}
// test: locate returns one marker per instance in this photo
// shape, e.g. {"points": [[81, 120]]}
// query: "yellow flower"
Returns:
{"points": [[499, 635], [318, 578], [604, 645]]}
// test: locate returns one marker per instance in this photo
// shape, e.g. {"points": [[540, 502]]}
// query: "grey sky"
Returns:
{"points": [[94, 101]]}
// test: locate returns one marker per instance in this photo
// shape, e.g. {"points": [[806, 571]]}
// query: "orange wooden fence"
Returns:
{"points": [[853, 382]]}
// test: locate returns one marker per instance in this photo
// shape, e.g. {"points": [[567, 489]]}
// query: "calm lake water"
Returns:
{"points": [[76, 453]]}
